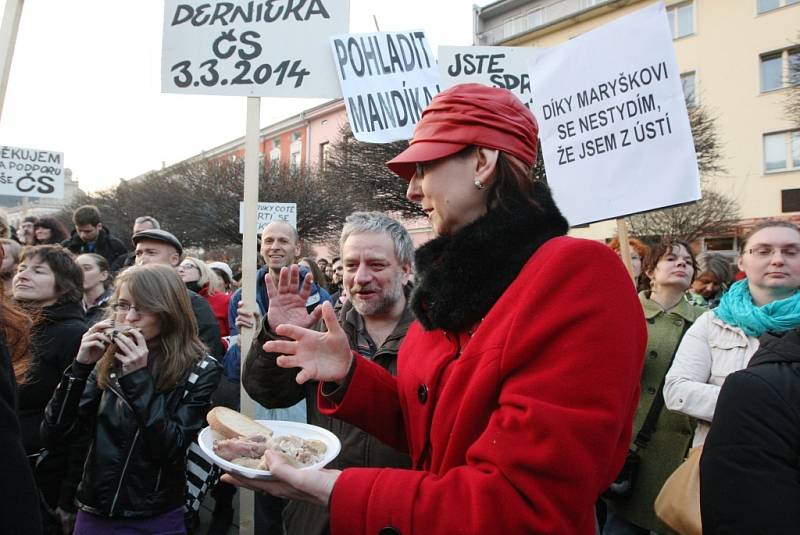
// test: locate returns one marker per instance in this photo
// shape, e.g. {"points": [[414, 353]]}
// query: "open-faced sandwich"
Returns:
{"points": [[245, 441]]}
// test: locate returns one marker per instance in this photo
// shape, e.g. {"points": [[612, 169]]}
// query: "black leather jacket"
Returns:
{"points": [[136, 436]]}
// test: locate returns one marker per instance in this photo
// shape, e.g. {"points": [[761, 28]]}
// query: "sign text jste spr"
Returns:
{"points": [[495, 66], [273, 48], [31, 172]]}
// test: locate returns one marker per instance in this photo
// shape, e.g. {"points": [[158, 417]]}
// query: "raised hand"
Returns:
{"points": [[287, 301], [323, 356], [94, 343]]}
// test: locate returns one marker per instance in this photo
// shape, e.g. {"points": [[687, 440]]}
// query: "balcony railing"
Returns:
{"points": [[535, 18]]}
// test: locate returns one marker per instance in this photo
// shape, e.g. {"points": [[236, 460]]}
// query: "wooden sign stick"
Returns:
{"points": [[624, 247], [8, 38], [249, 247]]}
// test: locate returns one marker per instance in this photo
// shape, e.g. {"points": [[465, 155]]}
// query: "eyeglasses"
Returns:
{"points": [[767, 252], [189, 266], [125, 307]]}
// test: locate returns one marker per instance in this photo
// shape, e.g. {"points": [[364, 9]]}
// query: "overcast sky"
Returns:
{"points": [[85, 81]]}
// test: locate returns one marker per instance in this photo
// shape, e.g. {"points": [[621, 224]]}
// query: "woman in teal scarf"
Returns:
{"points": [[722, 340]]}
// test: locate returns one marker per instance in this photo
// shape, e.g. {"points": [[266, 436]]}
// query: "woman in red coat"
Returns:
{"points": [[201, 279], [517, 383]]}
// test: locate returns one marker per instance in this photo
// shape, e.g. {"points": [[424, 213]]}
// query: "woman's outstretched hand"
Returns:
{"points": [[323, 356], [313, 486]]}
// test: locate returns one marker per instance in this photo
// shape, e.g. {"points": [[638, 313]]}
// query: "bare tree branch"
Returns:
{"points": [[199, 201], [715, 214]]}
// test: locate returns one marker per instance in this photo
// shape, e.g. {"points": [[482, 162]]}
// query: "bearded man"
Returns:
{"points": [[377, 255]]}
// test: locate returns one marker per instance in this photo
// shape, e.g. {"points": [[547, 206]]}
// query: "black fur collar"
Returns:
{"points": [[460, 277]]}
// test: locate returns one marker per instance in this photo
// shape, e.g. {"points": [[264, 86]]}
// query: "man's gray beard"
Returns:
{"points": [[390, 297]]}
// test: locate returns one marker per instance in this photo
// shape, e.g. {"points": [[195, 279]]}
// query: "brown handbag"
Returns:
{"points": [[678, 503]]}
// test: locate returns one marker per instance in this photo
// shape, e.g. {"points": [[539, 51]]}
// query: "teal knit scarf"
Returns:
{"points": [[737, 308]]}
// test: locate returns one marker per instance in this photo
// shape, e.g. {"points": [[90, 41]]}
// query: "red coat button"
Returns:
{"points": [[422, 394]]}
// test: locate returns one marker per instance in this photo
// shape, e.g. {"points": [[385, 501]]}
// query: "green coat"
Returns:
{"points": [[673, 432]]}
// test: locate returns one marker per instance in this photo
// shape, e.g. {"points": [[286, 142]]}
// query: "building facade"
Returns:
{"points": [[734, 58], [301, 140]]}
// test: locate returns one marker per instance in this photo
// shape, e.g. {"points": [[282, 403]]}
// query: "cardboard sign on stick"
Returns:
{"points": [[615, 133], [31, 173], [240, 47], [269, 212], [495, 66], [387, 79]]}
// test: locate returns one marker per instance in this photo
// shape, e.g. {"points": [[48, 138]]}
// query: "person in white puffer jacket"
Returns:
{"points": [[723, 340]]}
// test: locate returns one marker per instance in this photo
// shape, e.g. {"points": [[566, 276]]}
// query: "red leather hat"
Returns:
{"points": [[470, 114]]}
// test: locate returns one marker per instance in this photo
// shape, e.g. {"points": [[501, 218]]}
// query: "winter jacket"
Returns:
{"points": [[232, 362], [97, 310], [673, 432], [515, 388], [55, 340], [219, 303], [106, 246], [137, 436], [272, 386], [207, 326], [19, 502], [710, 351], [750, 467]]}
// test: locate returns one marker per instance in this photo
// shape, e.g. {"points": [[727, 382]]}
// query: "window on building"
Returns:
{"points": [[514, 25], [296, 136], [771, 71], [535, 18], [295, 159], [790, 200], [275, 155], [782, 151], [681, 19], [780, 69], [769, 5], [719, 244], [324, 155], [688, 81]]}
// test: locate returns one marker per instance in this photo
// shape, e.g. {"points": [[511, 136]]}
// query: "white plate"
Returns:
{"points": [[279, 428]]}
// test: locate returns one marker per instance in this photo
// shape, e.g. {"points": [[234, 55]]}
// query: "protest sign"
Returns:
{"points": [[237, 47], [269, 212], [615, 133], [387, 79], [495, 66], [31, 173]]}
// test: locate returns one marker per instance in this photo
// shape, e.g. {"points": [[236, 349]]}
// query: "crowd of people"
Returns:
{"points": [[501, 378]]}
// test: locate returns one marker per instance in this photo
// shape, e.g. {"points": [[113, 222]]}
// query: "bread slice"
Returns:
{"points": [[231, 424]]}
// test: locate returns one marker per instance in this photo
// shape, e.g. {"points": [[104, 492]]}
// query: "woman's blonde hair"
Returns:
{"points": [[207, 276], [157, 289]]}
